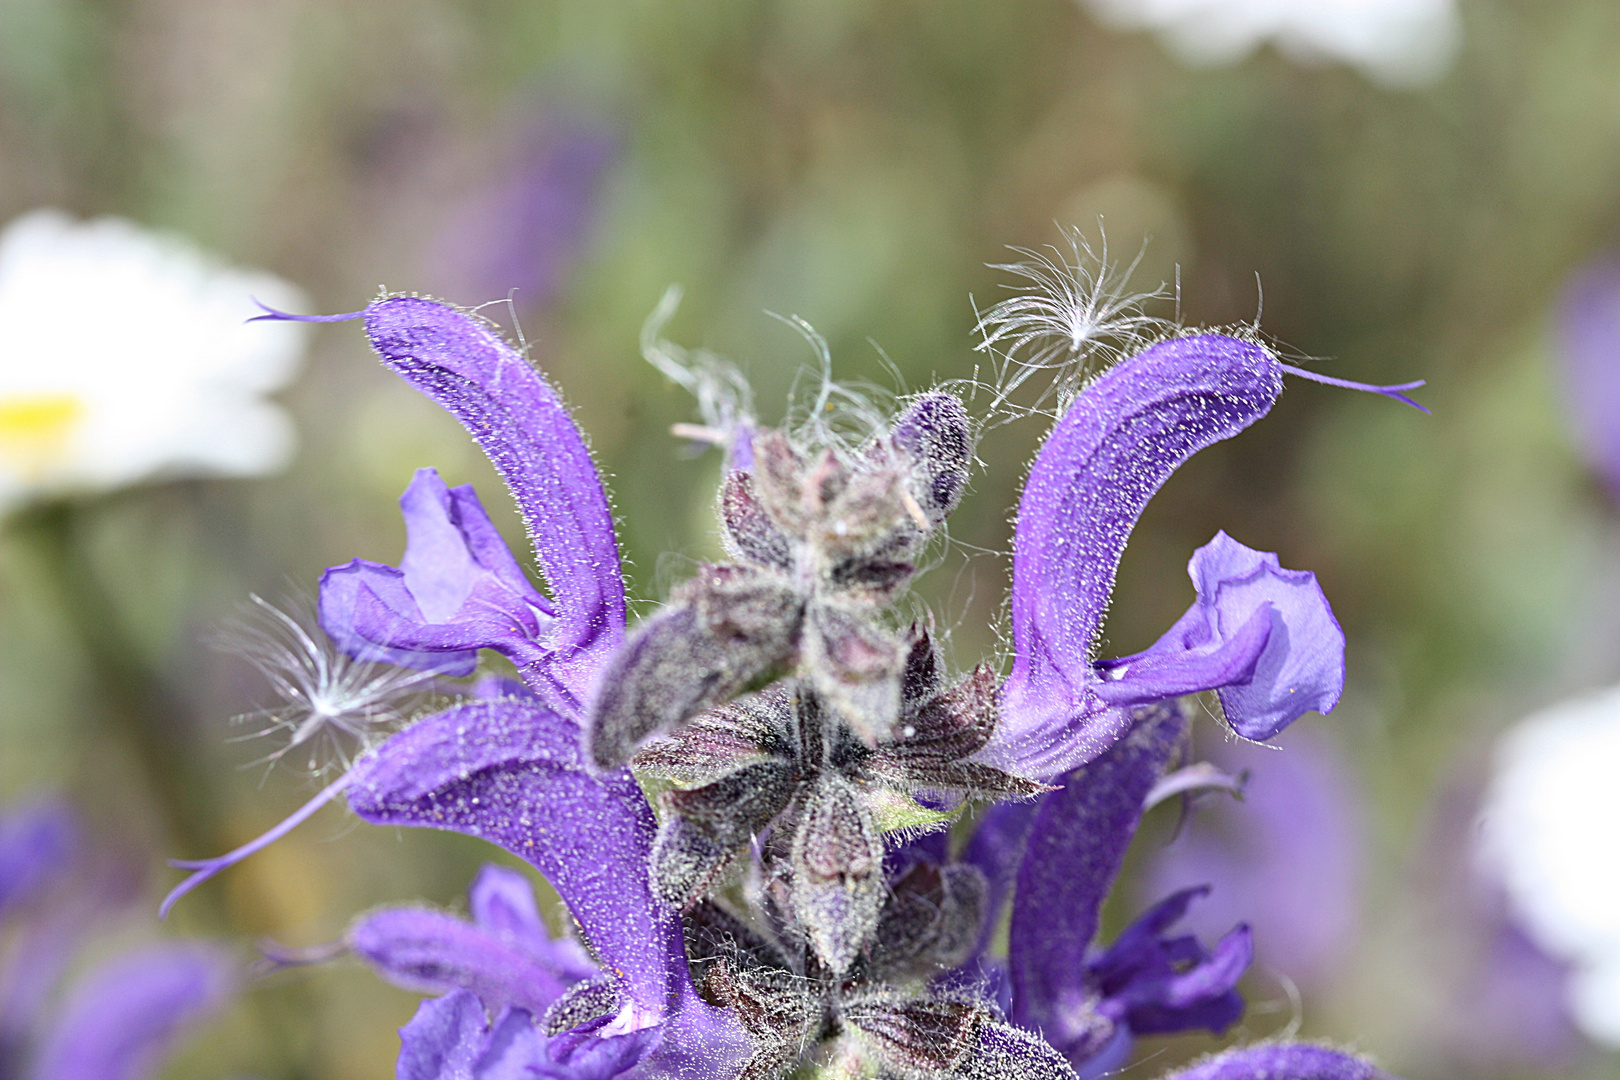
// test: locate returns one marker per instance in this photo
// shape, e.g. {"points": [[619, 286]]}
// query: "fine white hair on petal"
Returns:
{"points": [[1550, 829], [1076, 309], [128, 357], [1401, 43], [330, 705]]}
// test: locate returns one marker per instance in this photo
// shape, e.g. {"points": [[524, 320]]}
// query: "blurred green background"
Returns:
{"points": [[857, 163]]}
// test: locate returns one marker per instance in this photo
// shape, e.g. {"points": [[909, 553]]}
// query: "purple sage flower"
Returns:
{"points": [[786, 903]]}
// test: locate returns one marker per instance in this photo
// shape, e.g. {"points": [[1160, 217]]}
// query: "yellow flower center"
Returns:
{"points": [[35, 429]]}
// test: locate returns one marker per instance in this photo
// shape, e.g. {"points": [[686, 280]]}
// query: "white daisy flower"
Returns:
{"points": [[1398, 42], [126, 358], [1552, 832]]}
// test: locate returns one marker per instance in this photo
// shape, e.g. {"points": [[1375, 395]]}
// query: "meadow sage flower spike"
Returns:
{"points": [[793, 900]]}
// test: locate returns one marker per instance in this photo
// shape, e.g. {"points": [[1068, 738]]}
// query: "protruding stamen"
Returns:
{"points": [[1391, 391], [207, 868], [272, 315]]}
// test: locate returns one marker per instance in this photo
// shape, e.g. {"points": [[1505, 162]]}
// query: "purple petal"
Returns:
{"points": [[1074, 851], [1287, 859], [509, 409], [433, 953], [1170, 672], [1115, 447], [128, 1013], [1591, 346], [699, 1042], [1297, 667], [37, 844], [517, 1050], [1295, 1061], [457, 590], [451, 1038], [369, 613], [444, 1040], [510, 773], [502, 903], [1158, 985]]}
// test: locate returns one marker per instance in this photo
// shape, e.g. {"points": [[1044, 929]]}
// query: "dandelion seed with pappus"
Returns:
{"points": [[331, 704], [791, 902]]}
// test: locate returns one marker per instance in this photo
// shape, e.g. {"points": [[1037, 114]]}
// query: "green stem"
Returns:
{"points": [[148, 717]]}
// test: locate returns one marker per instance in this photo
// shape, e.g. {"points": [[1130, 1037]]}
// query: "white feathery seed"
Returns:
{"points": [[1076, 308], [330, 703]]}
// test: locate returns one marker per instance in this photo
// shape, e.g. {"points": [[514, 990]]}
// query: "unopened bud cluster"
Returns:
{"points": [[794, 728]]}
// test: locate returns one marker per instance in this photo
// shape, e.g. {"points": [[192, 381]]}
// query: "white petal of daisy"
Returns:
{"points": [[127, 357], [1399, 42]]}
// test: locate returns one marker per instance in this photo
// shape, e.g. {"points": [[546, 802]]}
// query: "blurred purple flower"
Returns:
{"points": [[125, 1014], [1282, 1061], [519, 232], [1589, 330], [1288, 857]]}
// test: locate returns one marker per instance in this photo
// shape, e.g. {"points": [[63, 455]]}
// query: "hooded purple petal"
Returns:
{"points": [[458, 589], [120, 1022], [1277, 1061], [432, 953], [1591, 347], [37, 844], [1115, 447], [510, 773], [1297, 666], [515, 416], [1074, 851]]}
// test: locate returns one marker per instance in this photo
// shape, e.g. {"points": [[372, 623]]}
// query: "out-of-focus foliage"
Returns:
{"points": [[856, 163]]}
